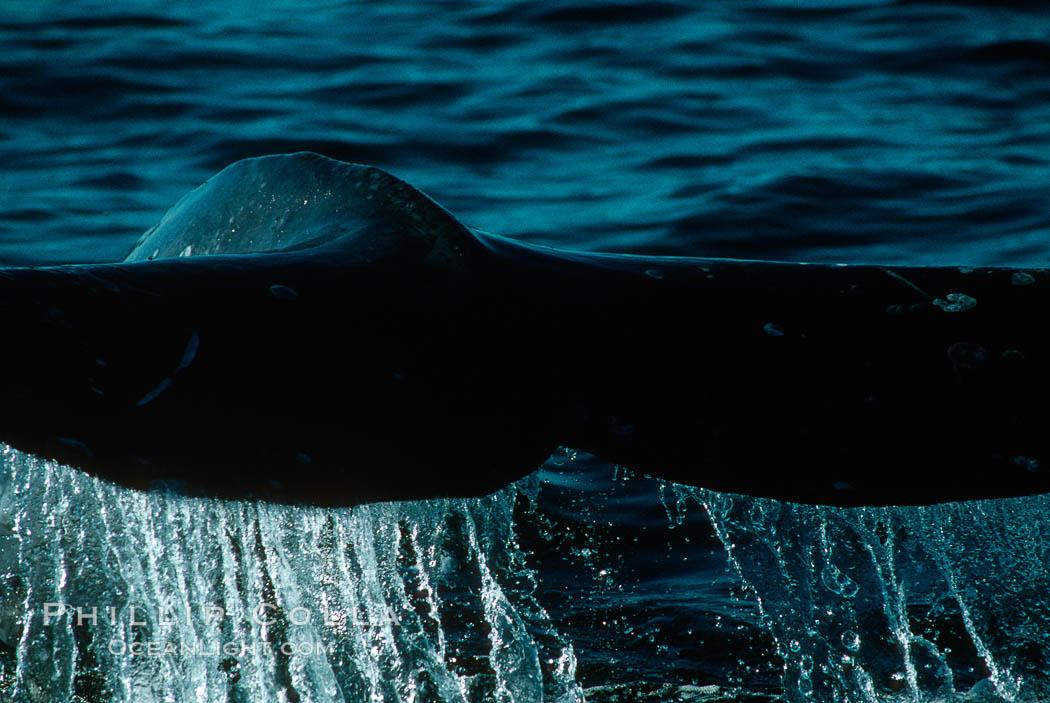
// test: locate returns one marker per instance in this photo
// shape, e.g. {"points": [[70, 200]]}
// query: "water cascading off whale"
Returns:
{"points": [[377, 349]]}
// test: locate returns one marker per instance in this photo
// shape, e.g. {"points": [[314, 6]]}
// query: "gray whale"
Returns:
{"points": [[304, 330]]}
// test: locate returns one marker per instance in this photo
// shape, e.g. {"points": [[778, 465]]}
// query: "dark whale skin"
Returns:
{"points": [[376, 349]]}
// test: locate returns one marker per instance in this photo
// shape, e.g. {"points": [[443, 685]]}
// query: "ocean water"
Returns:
{"points": [[881, 132]]}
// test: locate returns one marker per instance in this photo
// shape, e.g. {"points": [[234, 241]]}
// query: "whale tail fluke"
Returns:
{"points": [[303, 330]]}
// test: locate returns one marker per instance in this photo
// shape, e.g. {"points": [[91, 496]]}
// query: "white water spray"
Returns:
{"points": [[935, 603], [116, 595]]}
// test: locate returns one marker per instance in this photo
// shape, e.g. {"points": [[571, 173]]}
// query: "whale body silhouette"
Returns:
{"points": [[304, 330]]}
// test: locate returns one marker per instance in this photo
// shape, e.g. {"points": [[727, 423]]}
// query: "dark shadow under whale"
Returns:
{"points": [[304, 330]]}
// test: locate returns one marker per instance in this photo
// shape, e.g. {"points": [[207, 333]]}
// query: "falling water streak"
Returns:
{"points": [[433, 604], [564, 668], [190, 593], [893, 595], [41, 645], [370, 555], [109, 542], [357, 637], [1006, 684], [437, 651], [987, 558], [171, 562], [311, 676], [513, 658]]}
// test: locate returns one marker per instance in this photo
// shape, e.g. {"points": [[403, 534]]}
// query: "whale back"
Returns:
{"points": [[292, 202]]}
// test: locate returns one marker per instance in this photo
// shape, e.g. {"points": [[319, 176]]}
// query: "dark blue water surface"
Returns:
{"points": [[882, 131], [888, 132]]}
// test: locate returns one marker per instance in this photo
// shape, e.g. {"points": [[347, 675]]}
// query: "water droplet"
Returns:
{"points": [[838, 582], [851, 640], [654, 273], [805, 685]]}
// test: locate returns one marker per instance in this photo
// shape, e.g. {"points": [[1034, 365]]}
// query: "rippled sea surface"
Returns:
{"points": [[884, 132], [890, 132]]}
